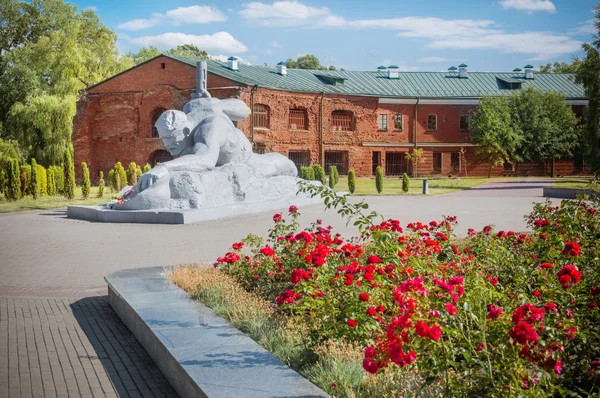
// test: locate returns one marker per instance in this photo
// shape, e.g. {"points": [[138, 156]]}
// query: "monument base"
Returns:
{"points": [[184, 216]]}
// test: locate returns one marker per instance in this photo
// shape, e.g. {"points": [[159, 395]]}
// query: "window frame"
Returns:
{"points": [[441, 155], [262, 114], [460, 123], [401, 117], [338, 113], [436, 124], [382, 117], [297, 111]]}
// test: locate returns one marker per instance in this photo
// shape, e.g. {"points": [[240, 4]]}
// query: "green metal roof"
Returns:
{"points": [[463, 66], [382, 67], [529, 66], [232, 58], [377, 84], [452, 68], [517, 70]]}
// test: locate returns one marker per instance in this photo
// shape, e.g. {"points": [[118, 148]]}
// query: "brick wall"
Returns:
{"points": [[114, 123]]}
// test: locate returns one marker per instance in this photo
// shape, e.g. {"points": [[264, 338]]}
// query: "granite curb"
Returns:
{"points": [[568, 193], [200, 354]]}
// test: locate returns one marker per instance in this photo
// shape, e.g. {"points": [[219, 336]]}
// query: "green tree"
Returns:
{"points": [[185, 50], [131, 174], [379, 179], [138, 172], [43, 179], [188, 51], [51, 182], [492, 129], [147, 167], [85, 180], [59, 179], [25, 173], [416, 156], [351, 181], [34, 180], [112, 180], [547, 125], [53, 52], [101, 185], [69, 173], [13, 179], [331, 177], [143, 55], [560, 67], [587, 75], [308, 61], [309, 173], [405, 182]]}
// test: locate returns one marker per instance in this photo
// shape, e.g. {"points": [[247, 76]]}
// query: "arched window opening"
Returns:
{"points": [[155, 115], [261, 116], [160, 156], [342, 120]]}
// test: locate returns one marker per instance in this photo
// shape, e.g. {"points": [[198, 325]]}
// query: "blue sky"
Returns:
{"points": [[424, 35]]}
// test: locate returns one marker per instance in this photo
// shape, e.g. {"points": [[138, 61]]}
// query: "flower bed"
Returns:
{"points": [[496, 313]]}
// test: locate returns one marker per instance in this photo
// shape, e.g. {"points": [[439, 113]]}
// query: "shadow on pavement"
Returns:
{"points": [[129, 368]]}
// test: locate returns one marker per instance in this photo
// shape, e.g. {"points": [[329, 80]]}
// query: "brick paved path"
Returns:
{"points": [[72, 347]]}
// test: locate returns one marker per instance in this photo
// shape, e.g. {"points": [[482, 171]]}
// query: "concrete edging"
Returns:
{"points": [[200, 354], [568, 193]]}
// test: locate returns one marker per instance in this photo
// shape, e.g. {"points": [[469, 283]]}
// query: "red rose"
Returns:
{"points": [[293, 209], [372, 311], [349, 279], [435, 332], [374, 260], [568, 275], [277, 217], [523, 333], [363, 297], [536, 293], [237, 245], [595, 291], [572, 248], [352, 323], [267, 251], [450, 308], [494, 312], [547, 265]]}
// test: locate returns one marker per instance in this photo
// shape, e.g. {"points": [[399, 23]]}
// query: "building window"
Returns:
{"points": [[300, 158], [162, 66], [394, 163], [261, 116], [455, 162], [464, 122], [437, 162], [431, 122], [399, 122], [578, 162], [338, 159], [298, 119], [383, 122], [342, 120], [160, 156], [155, 115], [508, 166], [259, 148], [375, 160]]}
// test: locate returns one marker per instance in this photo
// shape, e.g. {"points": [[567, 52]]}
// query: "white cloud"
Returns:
{"points": [[275, 44], [284, 13], [223, 58], [92, 8], [196, 14], [432, 60], [139, 24], [584, 29], [529, 5], [217, 42], [192, 14]]}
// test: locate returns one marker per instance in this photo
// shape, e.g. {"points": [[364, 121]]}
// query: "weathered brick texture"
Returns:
{"points": [[115, 120]]}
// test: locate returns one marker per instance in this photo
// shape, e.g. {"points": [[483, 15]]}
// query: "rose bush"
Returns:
{"points": [[496, 313]]}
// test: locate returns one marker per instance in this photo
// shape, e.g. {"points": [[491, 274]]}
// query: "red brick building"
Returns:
{"points": [[350, 119]]}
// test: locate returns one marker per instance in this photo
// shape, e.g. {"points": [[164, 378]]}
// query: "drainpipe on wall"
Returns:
{"points": [[321, 148], [415, 138], [254, 89]]}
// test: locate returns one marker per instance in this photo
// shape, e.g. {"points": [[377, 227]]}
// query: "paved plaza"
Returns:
{"points": [[59, 336]]}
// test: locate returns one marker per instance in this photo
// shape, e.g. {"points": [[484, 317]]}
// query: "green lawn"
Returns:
{"points": [[573, 182], [53, 202], [393, 185]]}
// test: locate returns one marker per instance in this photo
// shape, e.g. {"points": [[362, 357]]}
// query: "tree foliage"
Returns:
{"points": [[351, 181], [34, 180], [405, 182], [49, 51], [587, 75], [308, 61], [379, 179], [101, 185], [185, 50], [85, 180], [493, 131], [69, 173], [561, 67]]}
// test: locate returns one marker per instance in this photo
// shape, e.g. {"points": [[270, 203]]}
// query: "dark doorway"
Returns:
{"points": [[394, 163], [376, 160], [159, 156], [339, 159]]}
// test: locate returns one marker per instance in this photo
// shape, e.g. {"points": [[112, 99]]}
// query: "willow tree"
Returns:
{"points": [[70, 51]]}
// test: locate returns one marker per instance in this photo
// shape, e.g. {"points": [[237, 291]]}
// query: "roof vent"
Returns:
{"points": [[528, 71], [393, 72], [232, 63], [462, 70], [452, 70], [381, 68], [282, 68]]}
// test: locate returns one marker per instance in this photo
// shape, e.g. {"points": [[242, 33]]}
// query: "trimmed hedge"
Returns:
{"points": [[379, 179], [34, 180], [405, 183], [85, 180], [351, 181]]}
